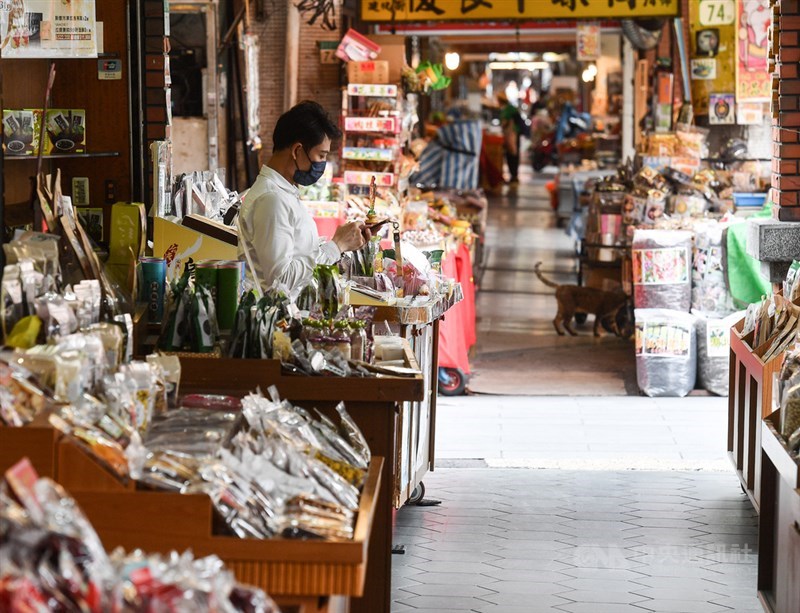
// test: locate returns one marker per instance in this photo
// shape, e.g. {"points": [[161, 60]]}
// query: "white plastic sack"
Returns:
{"points": [[666, 352], [662, 264], [714, 351]]}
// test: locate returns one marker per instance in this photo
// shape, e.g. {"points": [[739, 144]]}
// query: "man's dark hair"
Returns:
{"points": [[307, 123]]}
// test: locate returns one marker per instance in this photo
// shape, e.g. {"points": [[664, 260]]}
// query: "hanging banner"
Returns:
{"points": [[753, 81], [48, 29], [588, 41], [494, 10]]}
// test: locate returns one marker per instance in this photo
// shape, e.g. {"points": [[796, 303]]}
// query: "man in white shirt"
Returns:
{"points": [[276, 230]]}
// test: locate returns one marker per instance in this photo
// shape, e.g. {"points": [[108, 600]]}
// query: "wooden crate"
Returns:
{"points": [[749, 402], [779, 525], [36, 441], [376, 405], [307, 574]]}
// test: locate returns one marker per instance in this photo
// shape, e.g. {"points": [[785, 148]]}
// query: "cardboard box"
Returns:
{"points": [[22, 129], [368, 72], [393, 51], [66, 131]]}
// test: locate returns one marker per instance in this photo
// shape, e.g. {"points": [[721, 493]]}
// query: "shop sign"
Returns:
{"points": [[753, 81], [371, 124], [109, 70], [355, 177], [372, 89], [588, 41], [717, 12], [48, 29], [367, 154], [327, 52], [493, 10]]}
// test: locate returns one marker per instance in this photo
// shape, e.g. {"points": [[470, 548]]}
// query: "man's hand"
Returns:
{"points": [[351, 236]]}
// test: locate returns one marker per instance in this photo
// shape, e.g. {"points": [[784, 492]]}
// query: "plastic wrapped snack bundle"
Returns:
{"points": [[666, 352]]}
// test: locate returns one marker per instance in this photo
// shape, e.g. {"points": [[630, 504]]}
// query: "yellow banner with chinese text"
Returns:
{"points": [[493, 10]]}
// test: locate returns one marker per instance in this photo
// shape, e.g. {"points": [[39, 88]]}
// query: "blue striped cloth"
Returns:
{"points": [[452, 159]]}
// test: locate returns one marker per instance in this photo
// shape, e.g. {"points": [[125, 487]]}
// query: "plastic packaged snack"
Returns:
{"points": [[662, 261]]}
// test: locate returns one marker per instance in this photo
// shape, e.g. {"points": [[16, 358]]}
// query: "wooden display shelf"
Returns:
{"points": [[309, 575], [376, 404], [37, 441], [750, 400], [779, 525]]}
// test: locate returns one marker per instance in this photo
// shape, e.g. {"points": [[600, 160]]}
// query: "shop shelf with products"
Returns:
{"points": [[77, 85], [779, 521], [377, 128], [750, 400]]}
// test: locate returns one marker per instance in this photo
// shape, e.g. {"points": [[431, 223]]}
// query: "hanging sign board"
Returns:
{"points": [[588, 41], [753, 80], [48, 29], [494, 10], [717, 12]]}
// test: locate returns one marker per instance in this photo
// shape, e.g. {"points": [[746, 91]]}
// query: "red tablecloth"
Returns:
{"points": [[457, 328]]}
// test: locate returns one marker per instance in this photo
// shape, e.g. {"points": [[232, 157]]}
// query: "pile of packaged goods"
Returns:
{"points": [[51, 559], [309, 468], [674, 217]]}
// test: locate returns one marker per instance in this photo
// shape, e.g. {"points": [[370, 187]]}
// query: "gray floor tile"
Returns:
{"points": [[439, 589], [682, 606], [440, 603], [601, 596], [595, 607], [521, 600]]}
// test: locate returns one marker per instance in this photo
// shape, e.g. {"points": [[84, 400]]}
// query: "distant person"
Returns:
{"points": [[511, 121]]}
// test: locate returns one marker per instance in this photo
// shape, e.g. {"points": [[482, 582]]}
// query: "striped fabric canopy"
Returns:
{"points": [[452, 158]]}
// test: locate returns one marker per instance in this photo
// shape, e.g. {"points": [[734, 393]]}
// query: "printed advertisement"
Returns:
{"points": [[718, 338], [704, 69], [47, 29], [588, 41], [753, 81], [666, 266], [750, 113], [721, 109], [662, 338]]}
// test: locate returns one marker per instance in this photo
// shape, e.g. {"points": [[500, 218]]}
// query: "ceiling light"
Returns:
{"points": [[452, 60]]}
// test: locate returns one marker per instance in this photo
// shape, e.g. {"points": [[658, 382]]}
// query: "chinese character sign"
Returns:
{"points": [[753, 20], [47, 28], [492, 10]]}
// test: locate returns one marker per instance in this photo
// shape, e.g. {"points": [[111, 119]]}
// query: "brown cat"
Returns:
{"points": [[576, 299]]}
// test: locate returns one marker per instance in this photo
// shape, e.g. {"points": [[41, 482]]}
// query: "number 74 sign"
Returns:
{"points": [[717, 12]]}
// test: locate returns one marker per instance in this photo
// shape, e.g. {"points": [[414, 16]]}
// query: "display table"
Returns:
{"points": [[779, 525], [749, 402], [389, 411]]}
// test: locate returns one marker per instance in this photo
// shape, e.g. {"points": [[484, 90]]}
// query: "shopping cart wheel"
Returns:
{"points": [[452, 382], [418, 494]]}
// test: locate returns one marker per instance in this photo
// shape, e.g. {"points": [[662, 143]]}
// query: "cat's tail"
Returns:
{"points": [[542, 278]]}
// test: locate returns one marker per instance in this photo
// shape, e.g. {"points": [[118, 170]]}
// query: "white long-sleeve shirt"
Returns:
{"points": [[280, 234]]}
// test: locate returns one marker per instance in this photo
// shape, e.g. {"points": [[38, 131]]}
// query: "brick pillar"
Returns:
{"points": [[784, 58]]}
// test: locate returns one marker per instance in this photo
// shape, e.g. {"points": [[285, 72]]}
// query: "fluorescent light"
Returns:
{"points": [[518, 65]]}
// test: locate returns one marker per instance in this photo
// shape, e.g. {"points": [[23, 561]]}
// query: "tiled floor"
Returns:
{"points": [[589, 503], [525, 541]]}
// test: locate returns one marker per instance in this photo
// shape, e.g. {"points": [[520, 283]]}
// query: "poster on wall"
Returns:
{"points": [[48, 29], [753, 20], [588, 41], [721, 109], [750, 113], [704, 69]]}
